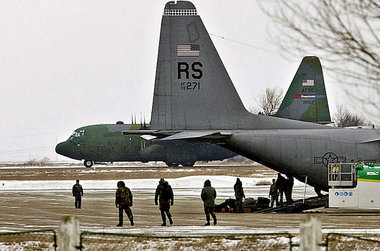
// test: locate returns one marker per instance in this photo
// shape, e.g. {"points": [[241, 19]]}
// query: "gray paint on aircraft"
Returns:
{"points": [[288, 146], [216, 102]]}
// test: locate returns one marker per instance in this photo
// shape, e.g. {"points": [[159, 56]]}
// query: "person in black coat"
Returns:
{"points": [[77, 193], [281, 186]]}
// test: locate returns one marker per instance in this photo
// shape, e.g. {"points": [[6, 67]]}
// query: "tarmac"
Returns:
{"points": [[32, 209]]}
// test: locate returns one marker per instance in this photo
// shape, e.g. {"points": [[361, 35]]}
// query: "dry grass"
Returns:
{"points": [[28, 241], [262, 242], [140, 172], [205, 243]]}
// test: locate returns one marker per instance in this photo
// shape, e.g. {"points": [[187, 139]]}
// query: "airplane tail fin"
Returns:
{"points": [[193, 90], [306, 98], [192, 87]]}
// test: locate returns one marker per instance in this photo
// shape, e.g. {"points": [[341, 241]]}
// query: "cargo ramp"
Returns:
{"points": [[299, 206]]}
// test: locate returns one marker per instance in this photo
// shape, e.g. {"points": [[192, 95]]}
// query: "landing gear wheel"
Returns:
{"points": [[88, 163], [170, 164]]}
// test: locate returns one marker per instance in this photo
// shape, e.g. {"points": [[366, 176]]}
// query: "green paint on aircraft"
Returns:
{"points": [[306, 98], [106, 143]]}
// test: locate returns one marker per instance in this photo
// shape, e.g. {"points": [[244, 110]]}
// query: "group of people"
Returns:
{"points": [[163, 197], [280, 187]]}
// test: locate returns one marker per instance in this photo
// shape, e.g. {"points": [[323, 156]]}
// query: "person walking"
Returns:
{"points": [[239, 195], [164, 194], [77, 193], [208, 196], [124, 201]]}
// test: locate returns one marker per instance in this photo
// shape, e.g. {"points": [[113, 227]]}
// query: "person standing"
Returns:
{"points": [[164, 194], [273, 193], [289, 189], [335, 171], [281, 185], [77, 193], [123, 201], [239, 195], [208, 196]]}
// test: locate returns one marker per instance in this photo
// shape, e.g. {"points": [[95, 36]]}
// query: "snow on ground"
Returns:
{"points": [[191, 185], [201, 231], [188, 186], [76, 164]]}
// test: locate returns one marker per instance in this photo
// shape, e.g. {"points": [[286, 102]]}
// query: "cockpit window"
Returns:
{"points": [[77, 134]]}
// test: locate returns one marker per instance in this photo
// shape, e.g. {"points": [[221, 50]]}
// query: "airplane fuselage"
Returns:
{"points": [[306, 152], [106, 143]]}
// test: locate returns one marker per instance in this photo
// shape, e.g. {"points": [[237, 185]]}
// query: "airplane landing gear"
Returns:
{"points": [[88, 163], [175, 164], [189, 164], [170, 164]]}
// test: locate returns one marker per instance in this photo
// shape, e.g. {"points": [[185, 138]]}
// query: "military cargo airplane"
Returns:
{"points": [[105, 142], [195, 100]]}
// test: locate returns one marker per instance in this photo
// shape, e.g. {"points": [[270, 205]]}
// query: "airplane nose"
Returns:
{"points": [[67, 149], [61, 149]]}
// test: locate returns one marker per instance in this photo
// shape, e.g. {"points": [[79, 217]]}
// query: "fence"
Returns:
{"points": [[47, 240]]}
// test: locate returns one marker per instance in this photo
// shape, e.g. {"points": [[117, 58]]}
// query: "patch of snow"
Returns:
{"points": [[217, 181]]}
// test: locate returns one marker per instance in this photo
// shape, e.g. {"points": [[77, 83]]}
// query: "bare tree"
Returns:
{"points": [[270, 101], [344, 118], [345, 34]]}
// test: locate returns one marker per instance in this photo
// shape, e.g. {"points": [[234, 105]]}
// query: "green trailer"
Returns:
{"points": [[354, 185]]}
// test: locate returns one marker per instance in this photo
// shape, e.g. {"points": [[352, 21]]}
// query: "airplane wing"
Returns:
{"points": [[199, 135], [156, 133]]}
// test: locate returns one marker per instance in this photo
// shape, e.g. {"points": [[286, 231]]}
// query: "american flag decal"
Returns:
{"points": [[309, 82], [188, 50]]}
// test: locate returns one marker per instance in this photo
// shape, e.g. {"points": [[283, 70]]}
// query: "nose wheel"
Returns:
{"points": [[88, 163]]}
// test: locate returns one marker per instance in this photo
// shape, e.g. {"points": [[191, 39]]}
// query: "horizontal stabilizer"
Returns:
{"points": [[199, 135]]}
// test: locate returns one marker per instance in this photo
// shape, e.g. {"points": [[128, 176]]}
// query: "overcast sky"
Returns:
{"points": [[67, 64]]}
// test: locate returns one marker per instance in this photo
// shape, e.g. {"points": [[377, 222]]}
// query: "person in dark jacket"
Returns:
{"points": [[273, 193], [289, 189], [124, 201], [281, 185], [208, 196], [239, 195], [164, 194], [77, 193]]}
